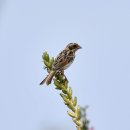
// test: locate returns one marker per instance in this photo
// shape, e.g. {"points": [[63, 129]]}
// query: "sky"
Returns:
{"points": [[99, 76]]}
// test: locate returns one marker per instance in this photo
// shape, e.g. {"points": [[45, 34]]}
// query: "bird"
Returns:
{"points": [[64, 59]]}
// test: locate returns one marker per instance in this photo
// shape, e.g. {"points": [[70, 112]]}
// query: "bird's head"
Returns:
{"points": [[73, 46]]}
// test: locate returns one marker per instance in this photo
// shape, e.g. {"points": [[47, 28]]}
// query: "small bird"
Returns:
{"points": [[62, 61]]}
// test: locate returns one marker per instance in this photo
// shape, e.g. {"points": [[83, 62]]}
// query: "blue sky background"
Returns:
{"points": [[100, 75]]}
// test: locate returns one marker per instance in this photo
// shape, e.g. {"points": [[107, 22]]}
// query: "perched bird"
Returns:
{"points": [[62, 61]]}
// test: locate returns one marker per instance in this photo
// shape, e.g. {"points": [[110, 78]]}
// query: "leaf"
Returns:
{"points": [[78, 112], [45, 56], [75, 101], [70, 91], [71, 114], [57, 84], [66, 84], [64, 91], [51, 61], [46, 63], [77, 122], [70, 106], [64, 98]]}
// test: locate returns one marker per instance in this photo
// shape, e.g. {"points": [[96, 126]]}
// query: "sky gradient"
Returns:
{"points": [[99, 76]]}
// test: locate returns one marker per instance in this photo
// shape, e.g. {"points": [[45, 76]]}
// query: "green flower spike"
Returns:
{"points": [[66, 92]]}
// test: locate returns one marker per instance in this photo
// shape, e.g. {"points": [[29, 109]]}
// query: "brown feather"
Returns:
{"points": [[63, 60], [48, 78]]}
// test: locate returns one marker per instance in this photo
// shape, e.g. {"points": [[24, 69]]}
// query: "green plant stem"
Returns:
{"points": [[61, 84]]}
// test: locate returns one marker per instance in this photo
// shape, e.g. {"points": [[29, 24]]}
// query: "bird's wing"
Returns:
{"points": [[62, 60]]}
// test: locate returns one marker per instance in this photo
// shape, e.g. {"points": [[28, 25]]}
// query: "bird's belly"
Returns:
{"points": [[67, 66]]}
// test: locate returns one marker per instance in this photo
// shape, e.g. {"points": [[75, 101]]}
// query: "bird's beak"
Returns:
{"points": [[79, 47]]}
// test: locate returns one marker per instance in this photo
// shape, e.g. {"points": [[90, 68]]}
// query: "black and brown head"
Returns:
{"points": [[73, 46]]}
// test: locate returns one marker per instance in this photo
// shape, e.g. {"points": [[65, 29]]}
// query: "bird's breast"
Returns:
{"points": [[68, 65]]}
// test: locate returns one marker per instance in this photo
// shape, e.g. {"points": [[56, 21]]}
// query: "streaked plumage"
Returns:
{"points": [[62, 61]]}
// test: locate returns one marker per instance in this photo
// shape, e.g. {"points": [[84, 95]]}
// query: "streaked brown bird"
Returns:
{"points": [[62, 61]]}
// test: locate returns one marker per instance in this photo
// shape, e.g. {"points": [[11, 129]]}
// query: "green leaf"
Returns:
{"points": [[70, 91], [63, 95], [57, 88], [75, 101], [70, 105], [77, 122], [64, 91], [66, 103], [72, 114], [57, 84], [52, 61], [64, 98], [46, 63], [45, 56], [49, 65], [66, 84], [60, 77], [78, 112]]}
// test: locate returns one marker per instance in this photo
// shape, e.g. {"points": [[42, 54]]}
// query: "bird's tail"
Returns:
{"points": [[48, 78]]}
